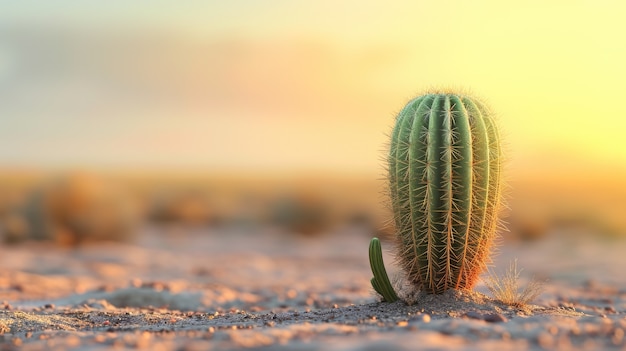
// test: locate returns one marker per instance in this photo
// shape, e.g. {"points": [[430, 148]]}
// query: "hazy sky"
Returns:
{"points": [[279, 85]]}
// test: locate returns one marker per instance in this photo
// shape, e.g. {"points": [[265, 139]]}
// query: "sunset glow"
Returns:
{"points": [[309, 85]]}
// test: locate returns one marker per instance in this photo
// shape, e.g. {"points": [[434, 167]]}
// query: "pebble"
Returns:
{"points": [[487, 317], [292, 294]]}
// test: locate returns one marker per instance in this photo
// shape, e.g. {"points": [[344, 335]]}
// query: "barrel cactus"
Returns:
{"points": [[444, 169]]}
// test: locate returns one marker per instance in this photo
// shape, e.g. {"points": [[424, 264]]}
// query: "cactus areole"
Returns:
{"points": [[444, 179]]}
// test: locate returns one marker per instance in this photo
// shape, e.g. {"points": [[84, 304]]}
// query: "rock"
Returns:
{"points": [[487, 317]]}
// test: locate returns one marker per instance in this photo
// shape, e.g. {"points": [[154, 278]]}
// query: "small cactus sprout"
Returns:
{"points": [[444, 180], [380, 282]]}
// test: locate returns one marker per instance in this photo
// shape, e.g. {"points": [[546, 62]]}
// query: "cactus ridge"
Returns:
{"points": [[444, 167]]}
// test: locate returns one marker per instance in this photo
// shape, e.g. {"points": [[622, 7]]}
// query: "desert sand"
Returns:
{"points": [[202, 288]]}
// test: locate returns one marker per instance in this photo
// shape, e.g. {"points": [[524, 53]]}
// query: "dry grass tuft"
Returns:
{"points": [[506, 289]]}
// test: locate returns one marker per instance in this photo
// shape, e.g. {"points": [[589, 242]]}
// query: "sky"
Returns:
{"points": [[277, 86]]}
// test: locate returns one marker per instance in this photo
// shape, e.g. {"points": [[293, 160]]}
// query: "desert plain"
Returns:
{"points": [[203, 288]]}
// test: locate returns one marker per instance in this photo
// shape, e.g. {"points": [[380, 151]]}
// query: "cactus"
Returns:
{"points": [[444, 180], [380, 282]]}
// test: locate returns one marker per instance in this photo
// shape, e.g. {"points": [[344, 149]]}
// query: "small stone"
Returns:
{"points": [[487, 317], [402, 323], [495, 318]]}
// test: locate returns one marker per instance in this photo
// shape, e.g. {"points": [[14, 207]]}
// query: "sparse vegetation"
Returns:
{"points": [[77, 208], [506, 289]]}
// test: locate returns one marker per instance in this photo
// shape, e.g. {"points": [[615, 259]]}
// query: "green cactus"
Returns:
{"points": [[380, 282], [444, 180]]}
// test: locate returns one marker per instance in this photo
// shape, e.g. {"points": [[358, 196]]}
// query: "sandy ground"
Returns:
{"points": [[200, 289]]}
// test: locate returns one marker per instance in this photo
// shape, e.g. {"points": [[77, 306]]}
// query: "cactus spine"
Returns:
{"points": [[444, 178]]}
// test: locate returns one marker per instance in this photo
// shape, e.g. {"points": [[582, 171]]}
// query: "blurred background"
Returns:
{"points": [[117, 116]]}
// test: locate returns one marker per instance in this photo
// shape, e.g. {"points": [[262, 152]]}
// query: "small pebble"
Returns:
{"points": [[292, 294], [495, 318], [487, 317]]}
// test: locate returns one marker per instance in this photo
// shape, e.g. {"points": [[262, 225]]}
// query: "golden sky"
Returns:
{"points": [[296, 85]]}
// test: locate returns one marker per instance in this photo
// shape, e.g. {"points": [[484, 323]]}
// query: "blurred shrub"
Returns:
{"points": [[13, 228], [300, 214], [182, 207], [532, 227], [527, 229], [73, 209]]}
